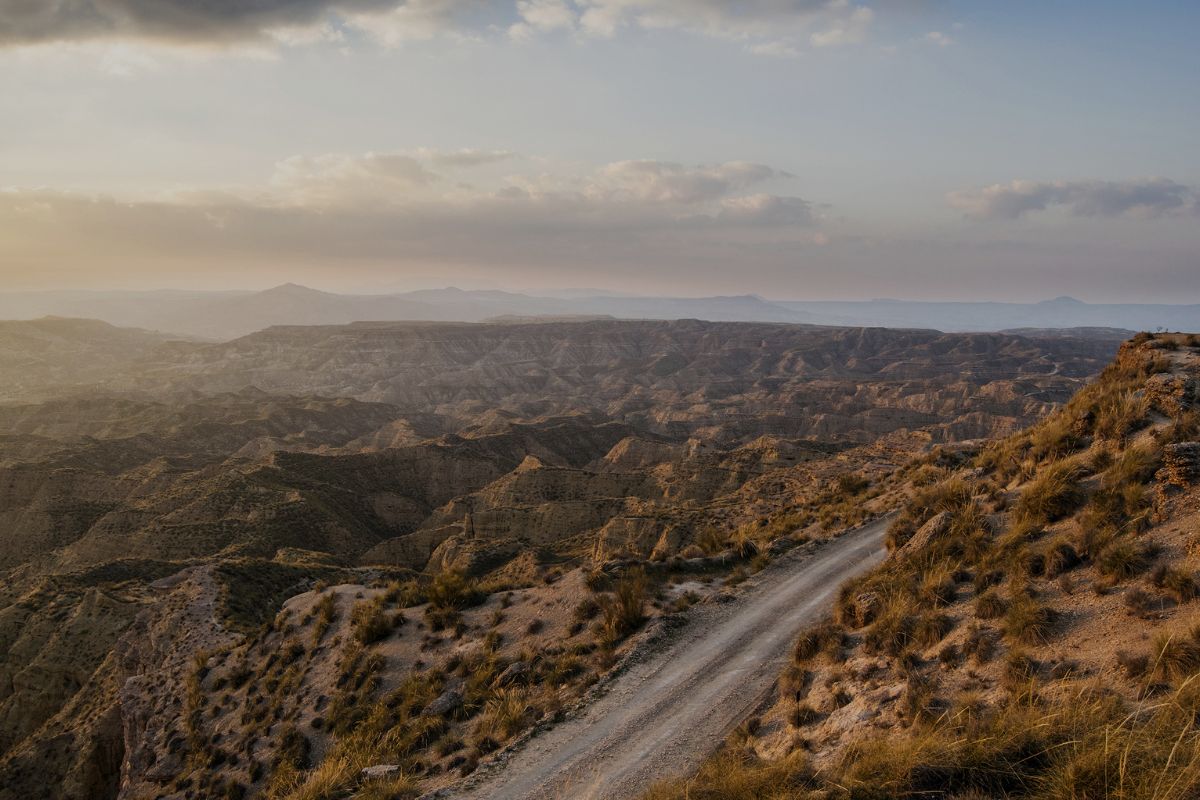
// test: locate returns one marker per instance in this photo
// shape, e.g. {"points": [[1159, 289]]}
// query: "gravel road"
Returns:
{"points": [[666, 713]]}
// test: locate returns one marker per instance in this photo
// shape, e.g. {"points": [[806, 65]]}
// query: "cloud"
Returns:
{"points": [[337, 180], [850, 30], [542, 16], [25, 22], [666, 182], [467, 157], [938, 38], [767, 209], [774, 49], [413, 207], [768, 27], [1143, 197]]}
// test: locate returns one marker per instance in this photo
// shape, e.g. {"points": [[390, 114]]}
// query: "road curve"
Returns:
{"points": [[664, 715]]}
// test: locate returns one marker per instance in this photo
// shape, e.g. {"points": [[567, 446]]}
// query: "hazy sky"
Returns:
{"points": [[791, 148]]}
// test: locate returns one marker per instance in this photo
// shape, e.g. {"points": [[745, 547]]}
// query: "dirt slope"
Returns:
{"points": [[668, 712]]}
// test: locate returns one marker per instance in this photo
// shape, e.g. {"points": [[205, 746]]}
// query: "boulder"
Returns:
{"points": [[379, 771], [445, 703], [513, 673], [937, 527]]}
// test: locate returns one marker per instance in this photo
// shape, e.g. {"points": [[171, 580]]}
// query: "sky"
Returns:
{"points": [[795, 149]]}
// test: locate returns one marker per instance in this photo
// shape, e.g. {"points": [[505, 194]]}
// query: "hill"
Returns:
{"points": [[1033, 632], [239, 564]]}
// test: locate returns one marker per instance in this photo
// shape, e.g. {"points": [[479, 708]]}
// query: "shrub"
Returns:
{"points": [[980, 643], [917, 701], [1028, 621], [1136, 465], [899, 531], [623, 611], [802, 714], [931, 628], [505, 714], [1120, 414], [1054, 438], [326, 609], [736, 774], [1178, 584], [824, 637], [949, 495], [396, 787], [1019, 670], [1122, 559], [452, 590], [1177, 657], [587, 609], [369, 622], [1139, 602], [892, 633], [1061, 557], [990, 605], [1054, 494]]}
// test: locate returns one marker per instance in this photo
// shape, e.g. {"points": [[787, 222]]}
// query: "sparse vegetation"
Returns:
{"points": [[624, 610]]}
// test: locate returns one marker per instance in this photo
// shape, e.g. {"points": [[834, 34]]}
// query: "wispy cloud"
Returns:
{"points": [[1144, 197]]}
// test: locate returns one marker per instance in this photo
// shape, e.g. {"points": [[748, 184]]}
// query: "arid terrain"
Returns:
{"points": [[256, 568], [1033, 631]]}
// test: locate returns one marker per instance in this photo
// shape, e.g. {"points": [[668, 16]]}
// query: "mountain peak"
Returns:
{"points": [[294, 289], [1063, 300]]}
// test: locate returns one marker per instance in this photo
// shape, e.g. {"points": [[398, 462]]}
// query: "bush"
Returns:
{"points": [[1136, 465], [1054, 494], [505, 714], [1120, 414], [738, 775], [825, 637], [623, 611], [1028, 621], [1061, 557], [369, 622], [892, 633], [1178, 584], [1122, 559], [802, 714], [1177, 657], [931, 628], [452, 590], [990, 605], [1139, 602], [1020, 671]]}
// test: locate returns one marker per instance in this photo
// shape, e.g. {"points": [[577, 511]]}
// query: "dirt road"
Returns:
{"points": [[665, 714]]}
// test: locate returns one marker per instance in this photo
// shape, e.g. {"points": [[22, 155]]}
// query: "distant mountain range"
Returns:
{"points": [[227, 315]]}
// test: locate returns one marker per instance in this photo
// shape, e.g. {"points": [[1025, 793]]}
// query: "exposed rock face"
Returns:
{"points": [[1181, 463]]}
